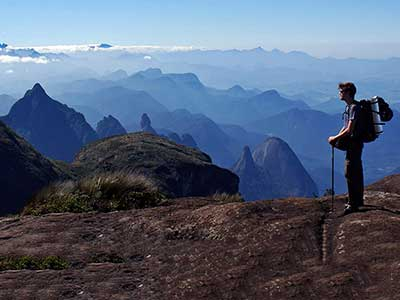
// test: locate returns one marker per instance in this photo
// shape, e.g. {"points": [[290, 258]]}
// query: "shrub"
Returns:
{"points": [[103, 192], [227, 198], [32, 263]]}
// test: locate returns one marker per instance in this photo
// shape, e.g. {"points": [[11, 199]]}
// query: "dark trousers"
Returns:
{"points": [[353, 172]]}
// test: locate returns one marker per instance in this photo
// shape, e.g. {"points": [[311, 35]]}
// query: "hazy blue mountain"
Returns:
{"points": [[125, 104], [92, 115], [145, 124], [242, 136], [172, 90], [185, 91], [116, 75], [56, 130], [332, 106], [255, 183], [188, 140], [207, 134], [109, 126], [6, 102], [307, 131], [288, 175]]}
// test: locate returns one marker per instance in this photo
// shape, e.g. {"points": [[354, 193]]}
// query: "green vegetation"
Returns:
{"points": [[103, 192], [227, 198], [32, 263]]}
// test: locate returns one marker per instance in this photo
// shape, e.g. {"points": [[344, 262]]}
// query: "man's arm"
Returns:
{"points": [[343, 132]]}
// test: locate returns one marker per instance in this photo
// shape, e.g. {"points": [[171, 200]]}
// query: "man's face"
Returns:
{"points": [[343, 94]]}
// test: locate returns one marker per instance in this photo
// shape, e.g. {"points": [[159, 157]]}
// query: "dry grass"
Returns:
{"points": [[101, 192], [227, 198]]}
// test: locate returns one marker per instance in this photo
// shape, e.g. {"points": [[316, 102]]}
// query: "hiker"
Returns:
{"points": [[353, 146]]}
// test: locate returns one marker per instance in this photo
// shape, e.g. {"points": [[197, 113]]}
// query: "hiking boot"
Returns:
{"points": [[348, 209]]}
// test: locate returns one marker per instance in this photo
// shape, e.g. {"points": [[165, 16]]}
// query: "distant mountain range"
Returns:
{"points": [[125, 104]]}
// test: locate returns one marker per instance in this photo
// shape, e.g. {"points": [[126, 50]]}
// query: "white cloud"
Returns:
{"points": [[86, 48], [10, 71], [7, 59], [147, 57]]}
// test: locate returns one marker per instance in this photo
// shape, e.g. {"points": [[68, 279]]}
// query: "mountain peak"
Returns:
{"points": [[37, 90], [271, 93], [258, 49], [247, 154], [3, 45], [246, 163], [236, 88], [151, 73], [105, 46]]}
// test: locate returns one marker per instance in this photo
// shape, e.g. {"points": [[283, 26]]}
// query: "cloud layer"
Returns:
{"points": [[7, 59]]}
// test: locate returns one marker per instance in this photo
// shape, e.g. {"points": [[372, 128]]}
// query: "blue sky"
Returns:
{"points": [[323, 28]]}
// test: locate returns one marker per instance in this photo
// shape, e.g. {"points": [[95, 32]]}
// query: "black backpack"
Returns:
{"points": [[364, 128]]}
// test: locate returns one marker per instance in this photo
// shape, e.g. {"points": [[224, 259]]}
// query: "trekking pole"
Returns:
{"points": [[333, 176]]}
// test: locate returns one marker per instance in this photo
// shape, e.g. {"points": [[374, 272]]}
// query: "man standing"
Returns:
{"points": [[353, 165]]}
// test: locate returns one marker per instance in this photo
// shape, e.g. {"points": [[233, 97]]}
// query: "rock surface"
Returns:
{"points": [[109, 126], [196, 248], [23, 171], [178, 170], [389, 184]]}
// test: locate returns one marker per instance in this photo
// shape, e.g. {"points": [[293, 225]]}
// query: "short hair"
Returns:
{"points": [[348, 87]]}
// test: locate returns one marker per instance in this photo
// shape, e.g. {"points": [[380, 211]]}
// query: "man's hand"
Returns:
{"points": [[331, 140]]}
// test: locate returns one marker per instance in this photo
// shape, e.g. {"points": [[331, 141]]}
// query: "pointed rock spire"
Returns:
{"points": [[145, 124]]}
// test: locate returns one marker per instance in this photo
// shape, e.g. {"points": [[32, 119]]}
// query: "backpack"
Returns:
{"points": [[368, 124]]}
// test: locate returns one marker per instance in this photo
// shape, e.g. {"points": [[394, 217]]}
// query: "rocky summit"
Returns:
{"points": [[109, 126], [273, 170], [288, 174], [199, 248], [23, 171], [177, 170], [54, 129], [255, 183]]}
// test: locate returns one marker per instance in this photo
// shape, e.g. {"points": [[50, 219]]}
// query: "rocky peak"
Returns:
{"points": [[286, 170], [245, 163], [175, 137], [109, 126], [145, 124], [53, 128], [270, 94], [188, 140], [36, 94]]}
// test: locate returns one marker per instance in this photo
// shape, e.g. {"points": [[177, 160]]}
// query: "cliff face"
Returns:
{"points": [[197, 248], [178, 170], [23, 171]]}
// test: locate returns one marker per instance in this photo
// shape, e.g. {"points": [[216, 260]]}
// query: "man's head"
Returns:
{"points": [[347, 91]]}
